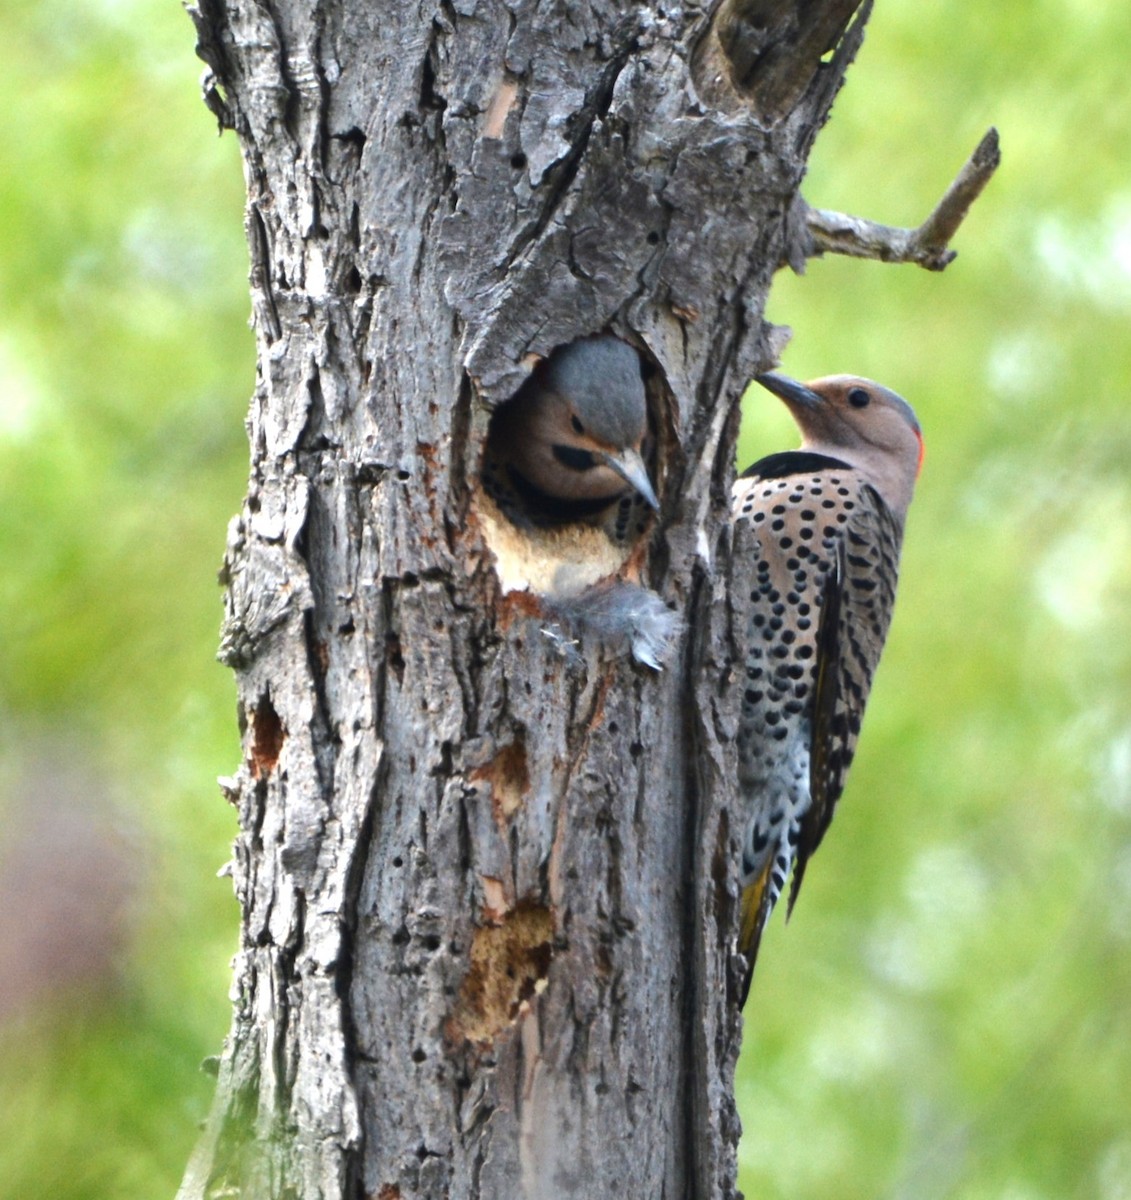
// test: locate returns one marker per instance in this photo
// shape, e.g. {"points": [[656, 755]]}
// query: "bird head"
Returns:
{"points": [[860, 422], [576, 428]]}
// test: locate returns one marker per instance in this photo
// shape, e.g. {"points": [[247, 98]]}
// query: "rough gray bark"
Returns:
{"points": [[487, 880]]}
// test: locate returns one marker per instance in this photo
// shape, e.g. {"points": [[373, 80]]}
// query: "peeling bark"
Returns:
{"points": [[487, 876]]}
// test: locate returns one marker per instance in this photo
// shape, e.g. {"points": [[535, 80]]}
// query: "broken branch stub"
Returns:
{"points": [[928, 245], [768, 53]]}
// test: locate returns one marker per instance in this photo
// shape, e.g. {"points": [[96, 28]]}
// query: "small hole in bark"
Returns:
{"points": [[653, 238], [614, 728], [393, 656], [518, 161], [508, 778], [636, 749], [404, 475], [509, 964], [267, 737], [418, 1056], [353, 281], [398, 861]]}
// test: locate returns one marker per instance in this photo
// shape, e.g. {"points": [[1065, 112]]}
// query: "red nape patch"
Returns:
{"points": [[922, 454]]}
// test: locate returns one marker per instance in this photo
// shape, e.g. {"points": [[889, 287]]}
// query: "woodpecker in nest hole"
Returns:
{"points": [[569, 446]]}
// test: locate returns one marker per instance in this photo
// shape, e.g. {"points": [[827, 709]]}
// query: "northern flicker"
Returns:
{"points": [[817, 535], [568, 446], [564, 498]]}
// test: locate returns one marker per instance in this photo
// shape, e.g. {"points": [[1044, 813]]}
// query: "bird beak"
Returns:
{"points": [[630, 467], [792, 392]]}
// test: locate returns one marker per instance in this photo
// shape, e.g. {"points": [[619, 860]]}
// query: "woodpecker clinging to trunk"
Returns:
{"points": [[817, 536], [568, 446]]}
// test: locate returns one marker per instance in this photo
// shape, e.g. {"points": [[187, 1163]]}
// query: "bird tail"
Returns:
{"points": [[756, 904]]}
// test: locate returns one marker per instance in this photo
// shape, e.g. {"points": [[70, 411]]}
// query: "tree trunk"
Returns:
{"points": [[488, 878]]}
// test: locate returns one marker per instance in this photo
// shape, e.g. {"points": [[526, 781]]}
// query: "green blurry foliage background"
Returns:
{"points": [[947, 1013]]}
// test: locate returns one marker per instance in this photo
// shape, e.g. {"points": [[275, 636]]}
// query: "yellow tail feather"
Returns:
{"points": [[755, 910]]}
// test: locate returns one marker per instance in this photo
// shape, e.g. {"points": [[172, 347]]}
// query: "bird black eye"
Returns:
{"points": [[859, 398], [576, 460], [577, 425]]}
